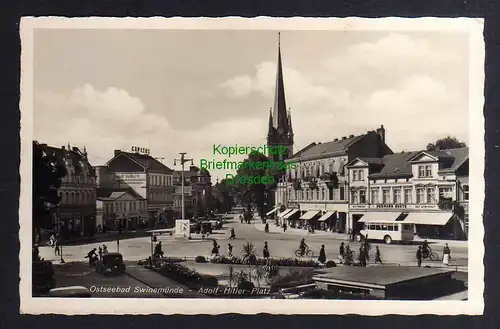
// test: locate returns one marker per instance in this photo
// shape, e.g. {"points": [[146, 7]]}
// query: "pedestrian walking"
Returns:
{"points": [[362, 256], [229, 249], [446, 255], [419, 256], [377, 256], [342, 251], [265, 252], [284, 227], [322, 254], [100, 252], [57, 250]]}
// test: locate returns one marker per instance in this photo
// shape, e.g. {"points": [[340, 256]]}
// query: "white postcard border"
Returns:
{"points": [[473, 306]]}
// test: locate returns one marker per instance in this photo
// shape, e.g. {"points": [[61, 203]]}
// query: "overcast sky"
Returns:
{"points": [[183, 91]]}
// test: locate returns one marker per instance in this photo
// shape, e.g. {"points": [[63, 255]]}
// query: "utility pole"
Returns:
{"points": [[183, 160]]}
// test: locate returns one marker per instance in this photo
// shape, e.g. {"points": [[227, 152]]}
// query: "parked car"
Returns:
{"points": [[43, 278], [70, 292], [216, 224], [110, 264], [206, 227]]}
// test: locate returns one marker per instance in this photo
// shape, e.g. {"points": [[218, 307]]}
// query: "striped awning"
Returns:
{"points": [[291, 213], [281, 214], [272, 211], [326, 216], [380, 217], [428, 218], [310, 214]]}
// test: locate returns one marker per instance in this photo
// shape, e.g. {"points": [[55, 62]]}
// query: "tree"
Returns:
{"points": [[445, 143], [254, 193], [223, 195], [48, 172]]}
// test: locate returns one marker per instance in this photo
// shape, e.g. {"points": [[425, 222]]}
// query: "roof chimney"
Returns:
{"points": [[319, 143], [336, 140], [63, 147], [117, 152], [381, 132], [351, 136], [74, 149], [343, 138]]}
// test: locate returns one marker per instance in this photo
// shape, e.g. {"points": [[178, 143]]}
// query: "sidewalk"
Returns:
{"points": [[106, 237], [297, 231]]}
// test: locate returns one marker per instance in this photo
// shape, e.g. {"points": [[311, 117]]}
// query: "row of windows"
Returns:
{"points": [[129, 206], [160, 180], [77, 198], [158, 196], [322, 193], [178, 202], [313, 171], [79, 179], [404, 195], [382, 227]]}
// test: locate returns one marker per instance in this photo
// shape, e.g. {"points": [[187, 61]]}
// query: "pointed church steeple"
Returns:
{"points": [[280, 120], [270, 128]]}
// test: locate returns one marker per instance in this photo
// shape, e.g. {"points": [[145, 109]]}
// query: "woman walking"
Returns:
{"points": [[446, 255], [322, 254]]}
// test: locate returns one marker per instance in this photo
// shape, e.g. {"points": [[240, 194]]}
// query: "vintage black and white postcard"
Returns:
{"points": [[284, 166]]}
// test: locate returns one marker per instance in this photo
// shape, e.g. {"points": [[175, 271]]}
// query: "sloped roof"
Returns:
{"points": [[115, 193], [148, 161], [74, 154], [398, 165], [319, 149], [373, 161]]}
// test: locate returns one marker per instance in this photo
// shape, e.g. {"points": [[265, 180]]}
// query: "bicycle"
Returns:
{"points": [[307, 252], [433, 256]]}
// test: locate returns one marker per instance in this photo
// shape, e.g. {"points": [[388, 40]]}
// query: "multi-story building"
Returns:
{"points": [[197, 188], [317, 189], [76, 214], [428, 188], [120, 208], [145, 175]]}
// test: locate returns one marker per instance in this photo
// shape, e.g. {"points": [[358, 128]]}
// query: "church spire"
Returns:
{"points": [[280, 120], [270, 128], [290, 130]]}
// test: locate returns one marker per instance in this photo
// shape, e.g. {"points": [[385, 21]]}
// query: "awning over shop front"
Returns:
{"points": [[272, 211], [310, 214], [380, 217], [326, 216], [428, 218], [291, 213], [284, 212]]}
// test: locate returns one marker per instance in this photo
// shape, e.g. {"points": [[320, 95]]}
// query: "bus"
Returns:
{"points": [[388, 232]]}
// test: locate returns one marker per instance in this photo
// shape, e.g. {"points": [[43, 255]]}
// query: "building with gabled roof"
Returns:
{"points": [[120, 208], [430, 188], [147, 176], [318, 185], [76, 213]]}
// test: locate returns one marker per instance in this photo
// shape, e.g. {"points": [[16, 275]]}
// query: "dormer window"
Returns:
{"points": [[424, 171]]}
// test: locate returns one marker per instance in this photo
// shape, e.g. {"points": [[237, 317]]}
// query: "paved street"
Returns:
{"points": [[280, 245]]}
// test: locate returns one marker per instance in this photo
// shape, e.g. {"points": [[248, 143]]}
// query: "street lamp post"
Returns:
{"points": [[183, 160], [60, 236]]}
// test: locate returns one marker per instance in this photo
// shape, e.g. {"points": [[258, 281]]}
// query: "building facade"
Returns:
{"points": [[76, 214], [120, 208], [428, 189], [147, 177], [197, 190], [318, 188]]}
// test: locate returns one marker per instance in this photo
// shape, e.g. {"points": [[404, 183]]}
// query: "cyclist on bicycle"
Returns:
{"points": [[426, 250], [303, 246]]}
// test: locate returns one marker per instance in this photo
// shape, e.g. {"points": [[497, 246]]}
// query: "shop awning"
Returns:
{"points": [[272, 211], [326, 216], [381, 217], [428, 218], [284, 212], [310, 214], [291, 213]]}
